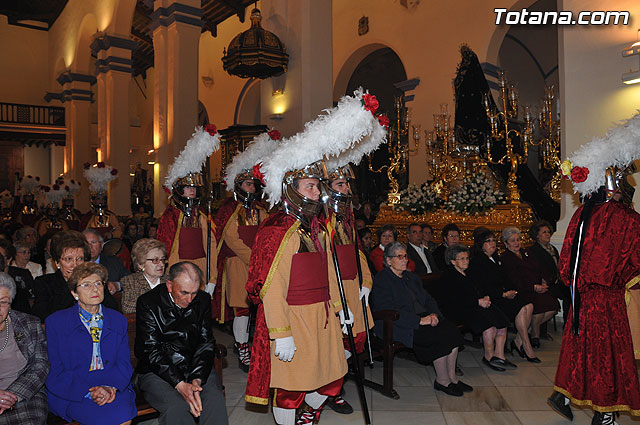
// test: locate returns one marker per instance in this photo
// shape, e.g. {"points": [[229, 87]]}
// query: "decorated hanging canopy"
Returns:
{"points": [[255, 53]]}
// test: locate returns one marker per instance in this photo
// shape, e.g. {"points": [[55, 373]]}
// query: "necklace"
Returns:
{"points": [[6, 336]]}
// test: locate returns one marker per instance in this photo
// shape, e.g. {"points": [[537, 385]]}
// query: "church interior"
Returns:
{"points": [[471, 101]]}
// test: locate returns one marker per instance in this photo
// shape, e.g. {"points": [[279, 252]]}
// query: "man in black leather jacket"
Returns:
{"points": [[175, 350]]}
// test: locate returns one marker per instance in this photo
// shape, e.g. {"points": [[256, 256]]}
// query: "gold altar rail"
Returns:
{"points": [[509, 215]]}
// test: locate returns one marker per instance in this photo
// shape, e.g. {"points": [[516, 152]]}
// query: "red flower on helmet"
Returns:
{"points": [[56, 187], [275, 135], [37, 179], [257, 173], [29, 176], [67, 188], [383, 120], [87, 165], [211, 129], [101, 164], [45, 188], [166, 189], [579, 174], [370, 103], [114, 172]]}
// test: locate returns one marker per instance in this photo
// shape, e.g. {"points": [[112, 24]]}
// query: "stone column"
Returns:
{"points": [[76, 96], [304, 26], [113, 70], [176, 28]]}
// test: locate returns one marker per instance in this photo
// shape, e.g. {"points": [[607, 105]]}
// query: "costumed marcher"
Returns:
{"points": [[184, 227], [292, 278], [6, 211], [49, 200], [236, 223], [69, 214], [28, 211], [356, 277], [100, 217], [600, 261]]}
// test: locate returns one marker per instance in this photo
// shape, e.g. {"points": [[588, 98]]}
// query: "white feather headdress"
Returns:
{"points": [[29, 184], [260, 147], [51, 195], [70, 186], [99, 176], [618, 148], [203, 142], [354, 155], [329, 135]]}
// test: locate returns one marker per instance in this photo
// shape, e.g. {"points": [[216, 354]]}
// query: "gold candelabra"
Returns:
{"points": [[509, 99], [399, 150]]}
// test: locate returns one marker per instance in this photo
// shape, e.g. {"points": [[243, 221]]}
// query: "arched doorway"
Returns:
{"points": [[378, 72]]}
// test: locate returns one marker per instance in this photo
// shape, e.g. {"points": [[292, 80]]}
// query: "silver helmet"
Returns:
{"points": [[335, 201]]}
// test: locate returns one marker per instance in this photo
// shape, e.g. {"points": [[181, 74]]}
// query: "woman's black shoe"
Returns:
{"points": [[463, 387], [532, 359], [451, 389], [518, 351], [504, 363], [535, 342], [558, 402], [491, 365]]}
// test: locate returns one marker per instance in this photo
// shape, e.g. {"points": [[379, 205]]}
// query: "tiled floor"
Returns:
{"points": [[499, 398]]}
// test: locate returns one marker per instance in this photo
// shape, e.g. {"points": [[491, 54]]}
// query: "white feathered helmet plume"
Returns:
{"points": [[602, 161], [243, 164], [329, 135], [51, 195], [203, 142], [70, 186], [29, 185], [99, 176]]}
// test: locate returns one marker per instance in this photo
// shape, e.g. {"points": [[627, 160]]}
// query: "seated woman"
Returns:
{"points": [[88, 344], [68, 249], [21, 277], [22, 259], [463, 303], [421, 325], [386, 235], [486, 271], [527, 275], [23, 362], [149, 257]]}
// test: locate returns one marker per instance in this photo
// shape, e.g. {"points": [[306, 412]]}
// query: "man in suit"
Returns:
{"points": [[114, 265], [417, 253]]}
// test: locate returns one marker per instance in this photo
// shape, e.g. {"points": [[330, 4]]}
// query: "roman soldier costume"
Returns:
{"points": [[236, 225], [49, 200], [291, 275], [6, 203], [184, 227], [68, 213], [600, 261], [28, 211], [100, 218]]}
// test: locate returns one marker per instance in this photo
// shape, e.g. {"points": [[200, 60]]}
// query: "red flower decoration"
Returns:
{"points": [[114, 172], [56, 187], [37, 179], [257, 173], [45, 188], [72, 182], [29, 176], [383, 120], [87, 165], [67, 188], [211, 129], [101, 164], [166, 189], [370, 103], [275, 135], [579, 174]]}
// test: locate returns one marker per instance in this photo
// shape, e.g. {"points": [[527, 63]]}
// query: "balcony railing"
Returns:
{"points": [[15, 113]]}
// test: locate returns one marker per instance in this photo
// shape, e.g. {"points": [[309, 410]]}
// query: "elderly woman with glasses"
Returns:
{"points": [[421, 325], [527, 275], [88, 344], [149, 256], [22, 259], [463, 302], [23, 362], [68, 249]]}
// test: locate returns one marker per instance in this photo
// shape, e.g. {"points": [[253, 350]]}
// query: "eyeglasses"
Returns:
{"points": [[157, 260], [97, 284], [400, 256], [4, 304], [489, 240]]}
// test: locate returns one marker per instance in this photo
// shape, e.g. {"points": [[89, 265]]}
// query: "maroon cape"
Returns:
{"points": [[597, 368]]}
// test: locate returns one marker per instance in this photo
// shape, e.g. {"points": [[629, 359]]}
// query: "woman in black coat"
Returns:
{"points": [[486, 271], [421, 325], [463, 303]]}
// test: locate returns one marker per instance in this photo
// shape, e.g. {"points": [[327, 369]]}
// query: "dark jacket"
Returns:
{"points": [[114, 267], [458, 296], [438, 257], [174, 343], [421, 268], [24, 289], [52, 294], [489, 277], [546, 261], [391, 292]]}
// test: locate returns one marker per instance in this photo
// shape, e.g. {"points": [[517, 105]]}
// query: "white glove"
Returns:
{"points": [[364, 293], [209, 288], [285, 348], [344, 322]]}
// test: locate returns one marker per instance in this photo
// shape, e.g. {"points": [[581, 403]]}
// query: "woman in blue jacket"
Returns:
{"points": [[90, 376]]}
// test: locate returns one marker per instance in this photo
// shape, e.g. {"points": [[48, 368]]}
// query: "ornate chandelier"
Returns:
{"points": [[255, 53]]}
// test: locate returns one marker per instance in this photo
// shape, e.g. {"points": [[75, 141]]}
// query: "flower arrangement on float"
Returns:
{"points": [[418, 199], [477, 195]]}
